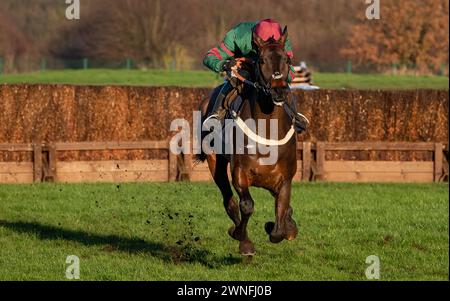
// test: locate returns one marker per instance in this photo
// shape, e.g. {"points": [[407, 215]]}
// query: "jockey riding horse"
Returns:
{"points": [[238, 43], [257, 60]]}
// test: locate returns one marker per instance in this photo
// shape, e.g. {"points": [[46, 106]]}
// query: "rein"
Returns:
{"points": [[256, 85]]}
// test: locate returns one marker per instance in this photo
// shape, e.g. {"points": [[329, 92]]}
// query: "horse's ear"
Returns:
{"points": [[284, 36], [258, 41]]}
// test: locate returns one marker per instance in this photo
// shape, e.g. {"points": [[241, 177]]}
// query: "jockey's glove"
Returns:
{"points": [[228, 65]]}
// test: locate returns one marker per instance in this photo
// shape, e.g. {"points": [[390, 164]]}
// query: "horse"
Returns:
{"points": [[262, 100]]}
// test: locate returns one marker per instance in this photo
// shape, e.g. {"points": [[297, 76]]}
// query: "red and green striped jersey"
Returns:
{"points": [[238, 43]]}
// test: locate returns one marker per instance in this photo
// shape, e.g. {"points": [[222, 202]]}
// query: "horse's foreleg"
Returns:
{"points": [[218, 167], [284, 226], [246, 206]]}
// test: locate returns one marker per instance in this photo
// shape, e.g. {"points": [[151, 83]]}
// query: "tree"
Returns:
{"points": [[13, 45], [143, 30], [411, 34]]}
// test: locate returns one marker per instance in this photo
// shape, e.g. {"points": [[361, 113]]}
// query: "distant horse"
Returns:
{"points": [[261, 99]]}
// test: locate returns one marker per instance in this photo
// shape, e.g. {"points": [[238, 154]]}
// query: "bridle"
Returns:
{"points": [[266, 88], [259, 84]]}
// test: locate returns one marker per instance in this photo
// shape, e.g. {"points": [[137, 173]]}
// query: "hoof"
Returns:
{"points": [[276, 238], [246, 248], [291, 230], [292, 233], [269, 227], [291, 236]]}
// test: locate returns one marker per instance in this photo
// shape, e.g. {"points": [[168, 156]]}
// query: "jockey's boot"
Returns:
{"points": [[218, 111], [301, 123]]}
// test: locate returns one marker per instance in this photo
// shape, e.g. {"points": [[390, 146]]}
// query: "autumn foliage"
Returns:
{"points": [[411, 34], [156, 33]]}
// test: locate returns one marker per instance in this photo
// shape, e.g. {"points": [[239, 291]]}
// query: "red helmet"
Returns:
{"points": [[267, 29]]}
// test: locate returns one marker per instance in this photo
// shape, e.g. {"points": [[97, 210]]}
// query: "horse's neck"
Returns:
{"points": [[260, 107]]}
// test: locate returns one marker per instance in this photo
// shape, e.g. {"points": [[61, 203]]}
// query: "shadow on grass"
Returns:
{"points": [[112, 243]]}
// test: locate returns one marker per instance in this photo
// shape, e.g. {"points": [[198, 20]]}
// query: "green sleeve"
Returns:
{"points": [[288, 45], [291, 75], [290, 53], [216, 57]]}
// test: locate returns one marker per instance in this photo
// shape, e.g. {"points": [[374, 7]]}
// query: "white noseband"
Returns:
{"points": [[277, 76]]}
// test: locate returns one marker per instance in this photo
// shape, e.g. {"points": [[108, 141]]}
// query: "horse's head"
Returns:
{"points": [[272, 65]]}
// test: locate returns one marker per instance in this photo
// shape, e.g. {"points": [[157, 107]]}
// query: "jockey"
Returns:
{"points": [[238, 42]]}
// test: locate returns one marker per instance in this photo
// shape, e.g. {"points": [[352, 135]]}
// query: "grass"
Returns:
{"points": [[379, 81], [209, 79], [178, 232], [117, 77]]}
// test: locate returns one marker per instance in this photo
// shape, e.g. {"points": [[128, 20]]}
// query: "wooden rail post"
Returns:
{"points": [[306, 160], [185, 166], [320, 160], [173, 166], [188, 163], [37, 162], [52, 162], [438, 158]]}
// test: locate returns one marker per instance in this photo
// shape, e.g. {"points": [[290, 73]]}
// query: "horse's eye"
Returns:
{"points": [[261, 61]]}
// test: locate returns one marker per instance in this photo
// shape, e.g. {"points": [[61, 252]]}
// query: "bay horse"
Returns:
{"points": [[260, 101]]}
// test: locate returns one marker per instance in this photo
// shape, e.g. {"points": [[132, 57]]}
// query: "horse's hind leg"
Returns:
{"points": [[284, 226], [246, 206], [218, 167]]}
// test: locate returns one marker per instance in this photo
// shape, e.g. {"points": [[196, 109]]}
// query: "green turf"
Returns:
{"points": [[178, 232], [118, 77], [209, 79], [377, 81]]}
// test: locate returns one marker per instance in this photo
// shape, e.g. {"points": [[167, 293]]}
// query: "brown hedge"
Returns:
{"points": [[91, 113]]}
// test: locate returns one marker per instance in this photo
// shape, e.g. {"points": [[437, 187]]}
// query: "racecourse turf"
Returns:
{"points": [[209, 79], [179, 232]]}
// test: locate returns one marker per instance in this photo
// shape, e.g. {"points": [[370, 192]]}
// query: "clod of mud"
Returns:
{"points": [[387, 239], [419, 247], [109, 248]]}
